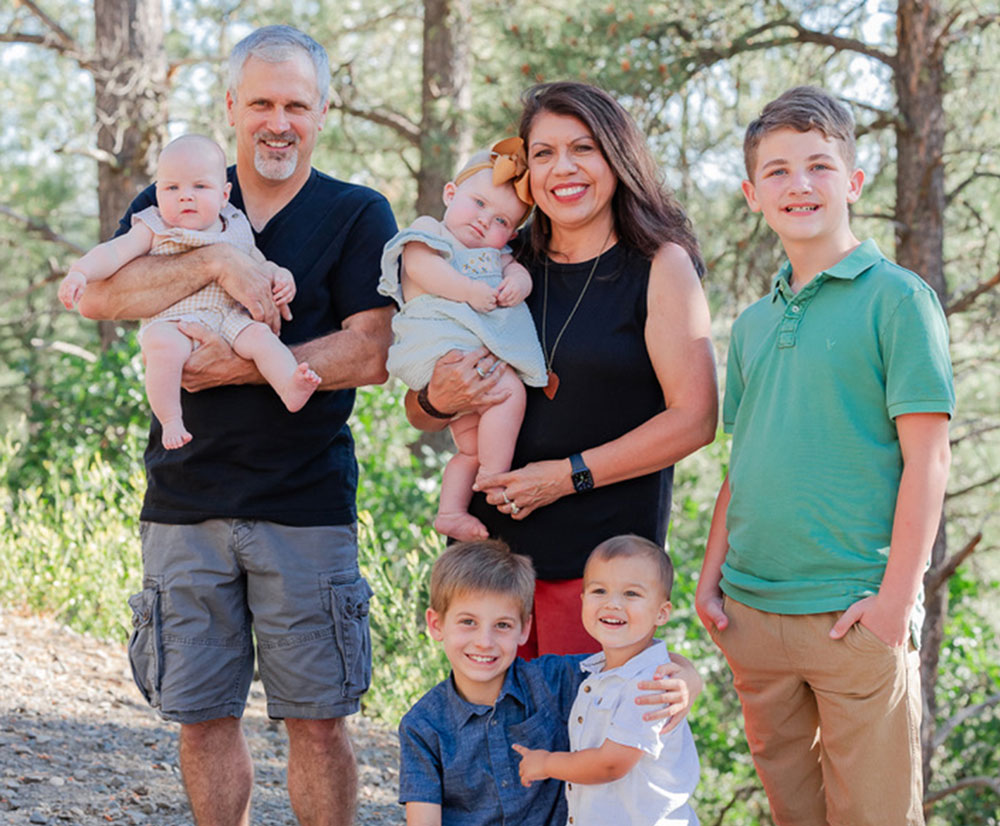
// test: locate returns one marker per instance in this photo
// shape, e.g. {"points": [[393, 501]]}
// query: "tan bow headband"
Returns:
{"points": [[509, 163]]}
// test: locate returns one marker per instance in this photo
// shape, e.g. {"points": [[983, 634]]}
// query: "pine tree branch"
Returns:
{"points": [[937, 577], [58, 38], [960, 305], [948, 727], [965, 783], [39, 228]]}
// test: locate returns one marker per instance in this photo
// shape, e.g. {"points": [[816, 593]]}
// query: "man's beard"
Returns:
{"points": [[271, 164]]}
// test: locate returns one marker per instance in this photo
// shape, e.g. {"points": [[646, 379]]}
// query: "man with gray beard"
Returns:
{"points": [[249, 531]]}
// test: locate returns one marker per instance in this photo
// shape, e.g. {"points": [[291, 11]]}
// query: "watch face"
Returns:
{"points": [[582, 480]]}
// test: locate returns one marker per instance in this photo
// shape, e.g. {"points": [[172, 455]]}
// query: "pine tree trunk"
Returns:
{"points": [[920, 207], [445, 98], [130, 73]]}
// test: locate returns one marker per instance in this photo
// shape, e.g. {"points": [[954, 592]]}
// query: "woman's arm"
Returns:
{"points": [[678, 340]]}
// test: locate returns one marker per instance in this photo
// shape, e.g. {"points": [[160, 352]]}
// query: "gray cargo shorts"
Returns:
{"points": [[209, 589]]}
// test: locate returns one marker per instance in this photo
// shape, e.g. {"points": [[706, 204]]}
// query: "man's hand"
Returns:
{"points": [[670, 691], [213, 362], [249, 282]]}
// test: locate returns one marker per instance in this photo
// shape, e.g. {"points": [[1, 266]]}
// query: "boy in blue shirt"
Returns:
{"points": [[838, 396], [456, 763]]}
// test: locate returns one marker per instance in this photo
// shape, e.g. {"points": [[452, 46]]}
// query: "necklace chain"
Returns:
{"points": [[550, 356]]}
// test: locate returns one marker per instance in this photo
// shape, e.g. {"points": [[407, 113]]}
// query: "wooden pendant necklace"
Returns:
{"points": [[553, 380]]}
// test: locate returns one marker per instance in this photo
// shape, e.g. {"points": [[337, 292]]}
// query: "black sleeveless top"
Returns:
{"points": [[607, 387]]}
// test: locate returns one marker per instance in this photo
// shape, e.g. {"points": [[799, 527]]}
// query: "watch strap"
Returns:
{"points": [[428, 408], [580, 474]]}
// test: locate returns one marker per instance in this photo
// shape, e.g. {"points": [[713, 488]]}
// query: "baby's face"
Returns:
{"points": [[191, 186], [481, 214]]}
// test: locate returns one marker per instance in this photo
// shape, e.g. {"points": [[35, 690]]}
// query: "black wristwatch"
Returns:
{"points": [[580, 474]]}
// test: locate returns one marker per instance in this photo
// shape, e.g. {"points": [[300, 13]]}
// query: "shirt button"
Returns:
{"points": [[493, 722], [504, 784], [571, 820], [569, 785], [795, 308], [586, 689], [579, 719]]}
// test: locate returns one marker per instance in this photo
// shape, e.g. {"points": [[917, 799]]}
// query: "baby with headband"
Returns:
{"points": [[459, 288]]}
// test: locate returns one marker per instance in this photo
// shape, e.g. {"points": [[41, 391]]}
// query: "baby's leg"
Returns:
{"points": [[166, 349], [292, 381], [499, 426], [453, 517]]}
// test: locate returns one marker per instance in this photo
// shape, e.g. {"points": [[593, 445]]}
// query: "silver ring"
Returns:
{"points": [[514, 509], [506, 501], [479, 370]]}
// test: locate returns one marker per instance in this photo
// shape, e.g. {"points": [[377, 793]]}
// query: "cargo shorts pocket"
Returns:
{"points": [[349, 609], [145, 645]]}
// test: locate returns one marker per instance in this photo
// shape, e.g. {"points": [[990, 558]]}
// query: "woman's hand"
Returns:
{"points": [[522, 491], [464, 382]]}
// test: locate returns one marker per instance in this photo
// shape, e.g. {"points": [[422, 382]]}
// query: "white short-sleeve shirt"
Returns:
{"points": [[656, 792]]}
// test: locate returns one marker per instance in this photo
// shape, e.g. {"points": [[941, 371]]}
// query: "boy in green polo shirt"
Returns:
{"points": [[838, 396]]}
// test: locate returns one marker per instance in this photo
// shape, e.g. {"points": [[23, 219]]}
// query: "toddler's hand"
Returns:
{"points": [[71, 288], [532, 764], [481, 297], [515, 287], [282, 289]]}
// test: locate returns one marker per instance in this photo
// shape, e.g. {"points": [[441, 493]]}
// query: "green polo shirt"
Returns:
{"points": [[814, 382]]}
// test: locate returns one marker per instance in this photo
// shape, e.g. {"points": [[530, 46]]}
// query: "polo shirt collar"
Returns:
{"points": [[462, 711], [861, 259]]}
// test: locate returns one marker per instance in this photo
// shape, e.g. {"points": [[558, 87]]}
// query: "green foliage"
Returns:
{"points": [[70, 545]]}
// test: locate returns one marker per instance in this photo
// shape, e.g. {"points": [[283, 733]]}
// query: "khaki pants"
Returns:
{"points": [[833, 725]]}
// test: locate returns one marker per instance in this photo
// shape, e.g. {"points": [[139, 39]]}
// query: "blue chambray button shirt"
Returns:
{"points": [[459, 755]]}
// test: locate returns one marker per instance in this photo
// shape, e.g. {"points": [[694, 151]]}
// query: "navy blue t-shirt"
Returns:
{"points": [[250, 458]]}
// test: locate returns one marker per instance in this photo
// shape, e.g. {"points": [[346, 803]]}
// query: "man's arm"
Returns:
{"points": [[923, 440], [351, 357], [152, 283], [610, 761], [423, 814]]}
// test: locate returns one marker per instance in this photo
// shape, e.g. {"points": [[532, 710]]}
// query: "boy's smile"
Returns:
{"points": [[480, 632], [623, 603]]}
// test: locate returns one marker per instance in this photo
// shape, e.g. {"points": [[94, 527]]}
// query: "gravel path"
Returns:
{"points": [[78, 745]]}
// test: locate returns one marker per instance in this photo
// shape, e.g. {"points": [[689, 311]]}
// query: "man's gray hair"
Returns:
{"points": [[276, 44]]}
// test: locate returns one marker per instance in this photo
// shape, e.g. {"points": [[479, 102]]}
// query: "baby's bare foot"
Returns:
{"points": [[461, 526], [299, 387], [175, 435]]}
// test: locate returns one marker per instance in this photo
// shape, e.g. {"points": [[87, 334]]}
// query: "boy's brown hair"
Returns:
{"points": [[482, 565], [629, 545], [803, 108]]}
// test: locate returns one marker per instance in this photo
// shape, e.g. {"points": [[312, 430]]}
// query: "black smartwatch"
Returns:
{"points": [[580, 474]]}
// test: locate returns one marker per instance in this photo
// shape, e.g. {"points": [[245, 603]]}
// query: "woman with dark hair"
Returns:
{"points": [[625, 331]]}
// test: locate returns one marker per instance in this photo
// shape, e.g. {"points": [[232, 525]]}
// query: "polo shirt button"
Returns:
{"points": [[795, 308], [579, 719], [586, 689]]}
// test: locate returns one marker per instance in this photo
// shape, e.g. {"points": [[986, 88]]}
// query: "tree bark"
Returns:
{"points": [[445, 99], [130, 72], [920, 207]]}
